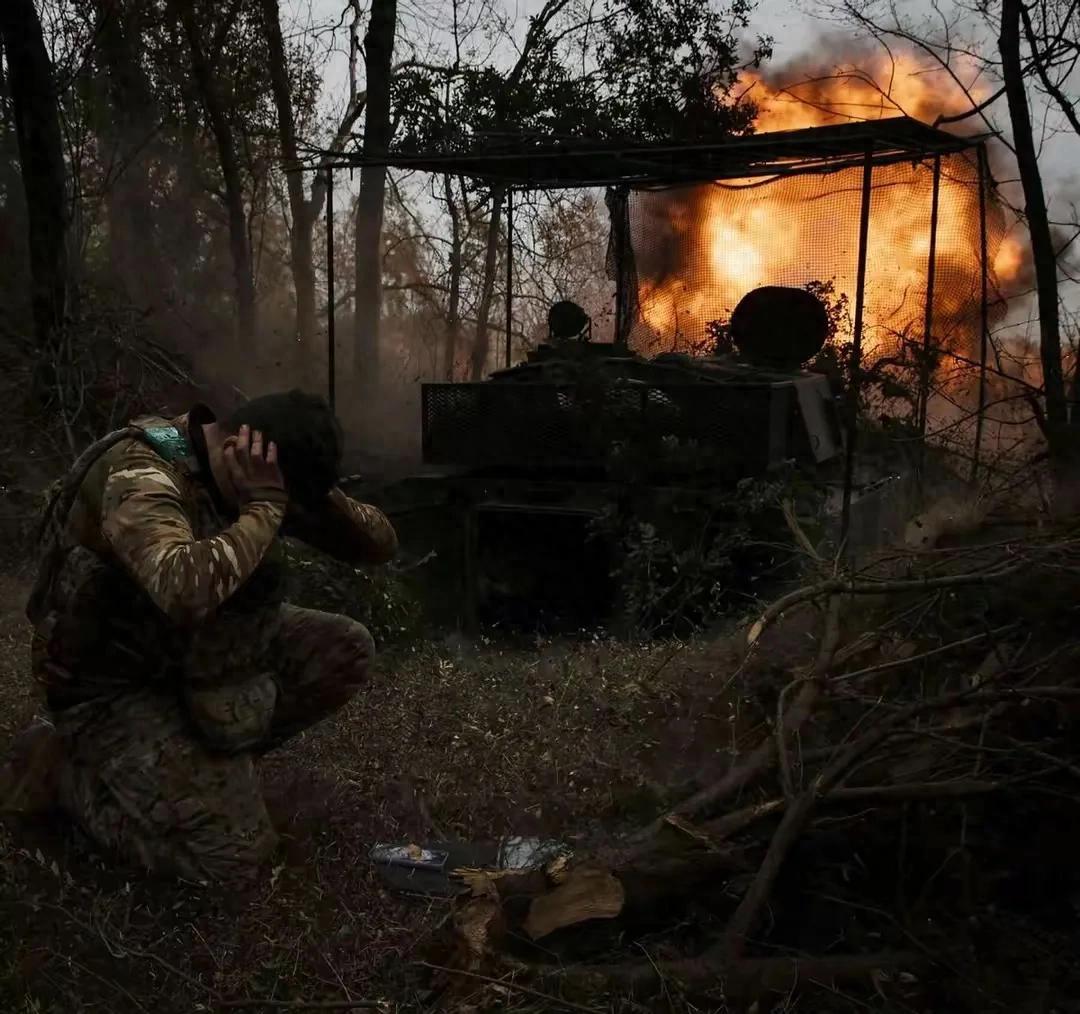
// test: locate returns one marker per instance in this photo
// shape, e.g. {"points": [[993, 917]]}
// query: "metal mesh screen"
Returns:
{"points": [[546, 425], [699, 250]]}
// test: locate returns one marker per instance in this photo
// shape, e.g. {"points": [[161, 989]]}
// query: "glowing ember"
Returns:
{"points": [[735, 236]]}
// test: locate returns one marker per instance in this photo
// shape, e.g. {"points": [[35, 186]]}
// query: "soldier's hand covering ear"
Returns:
{"points": [[253, 471]]}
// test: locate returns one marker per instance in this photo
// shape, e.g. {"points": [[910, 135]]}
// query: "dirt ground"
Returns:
{"points": [[456, 740], [14, 643], [473, 740]]}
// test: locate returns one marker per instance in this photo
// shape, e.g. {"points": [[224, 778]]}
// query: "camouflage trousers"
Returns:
{"points": [[145, 775]]}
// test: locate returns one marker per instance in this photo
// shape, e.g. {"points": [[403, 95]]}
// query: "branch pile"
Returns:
{"points": [[899, 805]]}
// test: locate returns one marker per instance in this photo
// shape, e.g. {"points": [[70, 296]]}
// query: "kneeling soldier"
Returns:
{"points": [[168, 658]]}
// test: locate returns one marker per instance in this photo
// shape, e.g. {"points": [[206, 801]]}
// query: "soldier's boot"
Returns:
{"points": [[30, 775]]}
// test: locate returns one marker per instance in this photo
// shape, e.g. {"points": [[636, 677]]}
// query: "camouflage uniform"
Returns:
{"points": [[169, 660]]}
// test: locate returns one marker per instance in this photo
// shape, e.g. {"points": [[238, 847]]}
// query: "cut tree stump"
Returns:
{"points": [[635, 888], [585, 894]]}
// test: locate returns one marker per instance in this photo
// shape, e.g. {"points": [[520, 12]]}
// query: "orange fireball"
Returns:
{"points": [[732, 236]]}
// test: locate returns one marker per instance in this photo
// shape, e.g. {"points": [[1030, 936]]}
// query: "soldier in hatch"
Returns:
{"points": [[168, 659]]}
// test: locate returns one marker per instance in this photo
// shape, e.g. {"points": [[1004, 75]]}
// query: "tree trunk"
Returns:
{"points": [[130, 120], [378, 50], [453, 314], [41, 156], [1042, 244], [188, 234], [482, 345], [13, 210], [239, 244], [300, 236]]}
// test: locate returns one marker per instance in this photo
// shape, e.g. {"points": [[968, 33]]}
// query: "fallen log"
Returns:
{"points": [[583, 895], [644, 887], [634, 888]]}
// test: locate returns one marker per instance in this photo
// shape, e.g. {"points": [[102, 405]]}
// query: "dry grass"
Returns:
{"points": [[475, 741], [581, 741], [15, 688]]}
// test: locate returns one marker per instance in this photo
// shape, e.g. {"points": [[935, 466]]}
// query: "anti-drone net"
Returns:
{"points": [[694, 252]]}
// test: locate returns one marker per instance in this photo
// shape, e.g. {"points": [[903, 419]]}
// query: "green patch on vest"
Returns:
{"points": [[169, 442]]}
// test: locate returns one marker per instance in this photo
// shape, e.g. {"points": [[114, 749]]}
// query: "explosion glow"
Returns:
{"points": [[730, 238]]}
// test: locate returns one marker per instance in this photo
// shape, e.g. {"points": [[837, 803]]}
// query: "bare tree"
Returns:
{"points": [[130, 128], [1043, 254], [1051, 42], [455, 266], [378, 51], [217, 114], [534, 38], [13, 201], [482, 344], [300, 235]]}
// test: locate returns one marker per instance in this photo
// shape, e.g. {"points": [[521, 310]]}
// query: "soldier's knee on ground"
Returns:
{"points": [[196, 839], [147, 791]]}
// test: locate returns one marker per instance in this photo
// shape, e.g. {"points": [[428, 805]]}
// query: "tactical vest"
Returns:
{"points": [[167, 441], [230, 716]]}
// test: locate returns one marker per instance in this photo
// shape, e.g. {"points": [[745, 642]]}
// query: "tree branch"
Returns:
{"points": [[1040, 69]]}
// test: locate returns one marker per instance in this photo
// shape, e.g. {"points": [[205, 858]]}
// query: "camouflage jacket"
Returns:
{"points": [[147, 514], [150, 510]]}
